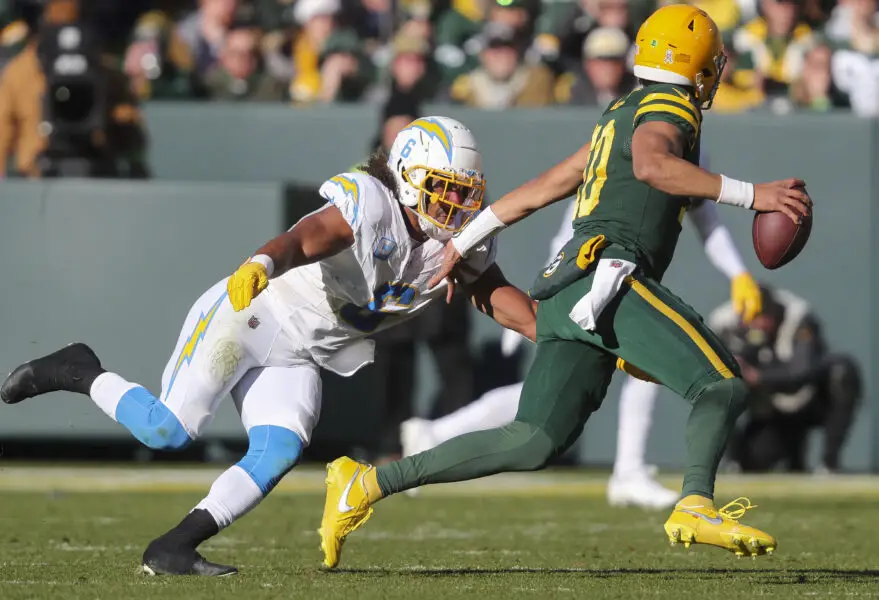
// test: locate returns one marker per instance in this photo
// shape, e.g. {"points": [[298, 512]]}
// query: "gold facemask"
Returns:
{"points": [[434, 190]]}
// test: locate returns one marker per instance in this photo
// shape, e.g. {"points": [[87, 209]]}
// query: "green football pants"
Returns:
{"points": [[647, 326]]}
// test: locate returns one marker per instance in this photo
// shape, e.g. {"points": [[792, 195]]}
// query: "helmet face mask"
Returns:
{"points": [[438, 168], [447, 200], [708, 98]]}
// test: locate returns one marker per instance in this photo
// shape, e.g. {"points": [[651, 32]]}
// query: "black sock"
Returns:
{"points": [[195, 528], [82, 382]]}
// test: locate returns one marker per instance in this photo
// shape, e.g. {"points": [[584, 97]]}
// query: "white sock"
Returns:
{"points": [[495, 408], [232, 496], [107, 390], [636, 414]]}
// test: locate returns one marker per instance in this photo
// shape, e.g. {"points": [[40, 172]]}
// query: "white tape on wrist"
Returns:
{"points": [[265, 261], [477, 231], [735, 192]]}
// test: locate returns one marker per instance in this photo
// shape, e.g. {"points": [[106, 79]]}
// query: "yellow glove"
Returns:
{"points": [[746, 297], [246, 283], [634, 371]]}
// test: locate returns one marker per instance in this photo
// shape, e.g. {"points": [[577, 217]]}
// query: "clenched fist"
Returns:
{"points": [[246, 283]]}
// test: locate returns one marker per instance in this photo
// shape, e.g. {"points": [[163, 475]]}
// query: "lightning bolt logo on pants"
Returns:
{"points": [[192, 342]]}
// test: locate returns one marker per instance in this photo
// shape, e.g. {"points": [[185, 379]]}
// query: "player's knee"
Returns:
{"points": [[530, 447], [151, 422], [272, 452], [166, 435], [731, 395]]}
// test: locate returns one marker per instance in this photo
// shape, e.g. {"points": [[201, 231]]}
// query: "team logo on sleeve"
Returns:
{"points": [[383, 249]]}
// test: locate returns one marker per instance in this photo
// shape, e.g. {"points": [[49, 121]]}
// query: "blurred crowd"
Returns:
{"points": [[813, 55]]}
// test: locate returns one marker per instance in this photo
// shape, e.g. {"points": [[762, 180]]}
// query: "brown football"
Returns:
{"points": [[777, 239]]}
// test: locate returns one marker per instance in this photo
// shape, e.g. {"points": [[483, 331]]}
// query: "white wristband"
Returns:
{"points": [[735, 192], [477, 231], [265, 261]]}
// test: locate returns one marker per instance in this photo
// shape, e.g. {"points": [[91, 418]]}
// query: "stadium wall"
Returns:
{"points": [[118, 264]]}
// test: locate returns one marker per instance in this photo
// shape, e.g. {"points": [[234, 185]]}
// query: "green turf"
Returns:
{"points": [[454, 545]]}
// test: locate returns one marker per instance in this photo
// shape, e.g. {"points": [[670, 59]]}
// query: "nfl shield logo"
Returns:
{"points": [[253, 322], [384, 247]]}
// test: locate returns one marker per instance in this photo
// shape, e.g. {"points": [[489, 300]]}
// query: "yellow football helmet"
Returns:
{"points": [[680, 44]]}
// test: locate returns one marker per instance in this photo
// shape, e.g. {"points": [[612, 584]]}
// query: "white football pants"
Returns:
{"points": [[272, 381]]}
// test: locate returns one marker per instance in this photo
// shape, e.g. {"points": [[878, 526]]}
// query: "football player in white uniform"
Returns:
{"points": [[306, 300], [632, 483]]}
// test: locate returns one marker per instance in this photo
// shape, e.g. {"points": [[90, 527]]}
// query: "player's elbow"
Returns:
{"points": [[646, 168], [528, 330]]}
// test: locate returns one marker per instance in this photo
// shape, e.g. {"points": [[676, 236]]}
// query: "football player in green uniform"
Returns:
{"points": [[601, 303]]}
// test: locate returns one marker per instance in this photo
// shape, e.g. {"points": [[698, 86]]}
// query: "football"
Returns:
{"points": [[777, 239]]}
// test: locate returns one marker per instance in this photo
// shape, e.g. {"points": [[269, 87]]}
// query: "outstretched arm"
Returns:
{"points": [[553, 185], [318, 235], [557, 183], [493, 295]]}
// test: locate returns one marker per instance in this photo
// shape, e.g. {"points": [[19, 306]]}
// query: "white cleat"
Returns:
{"points": [[415, 437], [640, 489]]}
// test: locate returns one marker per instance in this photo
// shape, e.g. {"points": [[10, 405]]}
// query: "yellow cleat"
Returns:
{"points": [[696, 521], [346, 507]]}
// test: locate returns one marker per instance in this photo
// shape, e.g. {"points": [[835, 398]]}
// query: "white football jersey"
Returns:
{"points": [[381, 280]]}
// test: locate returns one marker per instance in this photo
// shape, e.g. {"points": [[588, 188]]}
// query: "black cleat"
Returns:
{"points": [[72, 369], [165, 558]]}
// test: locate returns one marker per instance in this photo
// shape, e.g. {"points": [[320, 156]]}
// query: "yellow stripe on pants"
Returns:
{"points": [[654, 301]]}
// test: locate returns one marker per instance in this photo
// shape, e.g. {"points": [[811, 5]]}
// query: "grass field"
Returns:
{"points": [[76, 533]]}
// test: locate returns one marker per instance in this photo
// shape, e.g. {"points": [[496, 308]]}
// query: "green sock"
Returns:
{"points": [[514, 447], [711, 420]]}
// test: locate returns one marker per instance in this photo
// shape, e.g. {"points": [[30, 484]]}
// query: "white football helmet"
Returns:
{"points": [[438, 169]]}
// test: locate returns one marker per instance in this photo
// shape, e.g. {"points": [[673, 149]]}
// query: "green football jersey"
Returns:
{"points": [[612, 202]]}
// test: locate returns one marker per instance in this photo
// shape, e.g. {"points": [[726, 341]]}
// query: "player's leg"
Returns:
{"points": [[656, 331], [637, 399], [217, 347], [565, 384], [650, 328], [279, 407], [632, 484], [841, 390], [495, 408], [793, 435], [151, 420]]}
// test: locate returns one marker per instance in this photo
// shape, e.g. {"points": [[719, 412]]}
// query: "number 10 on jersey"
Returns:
{"points": [[595, 173]]}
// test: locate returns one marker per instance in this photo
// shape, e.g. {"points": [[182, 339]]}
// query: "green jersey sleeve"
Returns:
{"points": [[671, 104]]}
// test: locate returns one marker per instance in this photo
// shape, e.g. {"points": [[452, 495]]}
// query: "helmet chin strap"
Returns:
{"points": [[434, 231]]}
